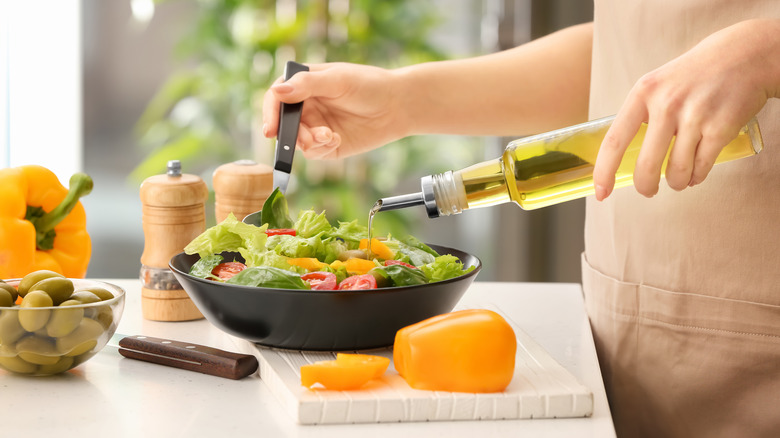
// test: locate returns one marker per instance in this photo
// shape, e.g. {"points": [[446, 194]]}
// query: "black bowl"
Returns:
{"points": [[320, 320]]}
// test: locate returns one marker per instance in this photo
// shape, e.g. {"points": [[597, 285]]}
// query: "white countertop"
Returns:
{"points": [[113, 396]]}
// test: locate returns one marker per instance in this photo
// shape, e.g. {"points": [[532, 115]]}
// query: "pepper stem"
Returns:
{"points": [[80, 184]]}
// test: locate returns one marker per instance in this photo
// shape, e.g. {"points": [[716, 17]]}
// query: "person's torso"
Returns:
{"points": [[721, 237]]}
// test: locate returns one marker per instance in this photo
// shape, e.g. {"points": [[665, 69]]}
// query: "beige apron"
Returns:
{"points": [[683, 290]]}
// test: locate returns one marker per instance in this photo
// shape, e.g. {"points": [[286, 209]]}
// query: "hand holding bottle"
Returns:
{"points": [[703, 97]]}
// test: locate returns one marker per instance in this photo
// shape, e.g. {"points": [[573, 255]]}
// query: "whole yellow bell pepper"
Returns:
{"points": [[464, 351], [42, 224]]}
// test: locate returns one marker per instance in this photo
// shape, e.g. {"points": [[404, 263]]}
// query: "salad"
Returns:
{"points": [[310, 253]]}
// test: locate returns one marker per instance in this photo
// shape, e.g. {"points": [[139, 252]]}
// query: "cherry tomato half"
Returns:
{"points": [[227, 269], [277, 231], [398, 262], [358, 282], [320, 280]]}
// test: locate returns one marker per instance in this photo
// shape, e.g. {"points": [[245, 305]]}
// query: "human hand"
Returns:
{"points": [[348, 109], [703, 97]]}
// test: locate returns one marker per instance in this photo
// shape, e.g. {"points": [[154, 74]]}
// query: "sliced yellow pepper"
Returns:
{"points": [[465, 351], [308, 263], [357, 266], [378, 249], [347, 372], [42, 224]]}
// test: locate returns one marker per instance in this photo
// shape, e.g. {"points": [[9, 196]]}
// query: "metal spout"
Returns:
{"points": [[401, 201], [425, 197]]}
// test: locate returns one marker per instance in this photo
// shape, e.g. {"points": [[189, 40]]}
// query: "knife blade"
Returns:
{"points": [[186, 355], [287, 136]]}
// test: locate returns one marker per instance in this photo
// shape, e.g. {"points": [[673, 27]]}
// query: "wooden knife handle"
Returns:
{"points": [[188, 356]]}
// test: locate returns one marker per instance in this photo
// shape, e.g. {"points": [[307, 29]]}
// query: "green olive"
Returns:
{"points": [[101, 292], [63, 321], [82, 339], [10, 289], [10, 329], [84, 297], [17, 365], [6, 299], [105, 316], [37, 345], [58, 288], [30, 279], [64, 364], [83, 347], [38, 359], [30, 317]]}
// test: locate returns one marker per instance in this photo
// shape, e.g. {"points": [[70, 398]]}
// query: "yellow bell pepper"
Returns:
{"points": [[347, 372], [465, 351], [307, 263], [42, 224], [378, 249], [357, 266]]}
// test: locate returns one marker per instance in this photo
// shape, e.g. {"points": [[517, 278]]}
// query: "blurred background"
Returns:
{"points": [[117, 88]]}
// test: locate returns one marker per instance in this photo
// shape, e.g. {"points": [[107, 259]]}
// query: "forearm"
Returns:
{"points": [[532, 88]]}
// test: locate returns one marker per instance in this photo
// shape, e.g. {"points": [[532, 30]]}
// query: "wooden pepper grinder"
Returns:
{"points": [[241, 188], [173, 213]]}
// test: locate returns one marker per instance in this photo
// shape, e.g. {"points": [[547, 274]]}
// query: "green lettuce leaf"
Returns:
{"points": [[275, 212], [228, 235], [268, 276], [310, 223], [203, 267], [417, 257], [405, 276], [416, 254], [418, 244], [270, 258], [350, 232], [294, 246], [331, 248], [445, 267]]}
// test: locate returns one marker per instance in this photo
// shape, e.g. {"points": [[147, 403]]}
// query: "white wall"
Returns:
{"points": [[40, 85]]}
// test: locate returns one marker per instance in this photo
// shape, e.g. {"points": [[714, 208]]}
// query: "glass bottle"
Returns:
{"points": [[542, 170]]}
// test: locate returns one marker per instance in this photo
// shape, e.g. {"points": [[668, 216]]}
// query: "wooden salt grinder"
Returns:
{"points": [[241, 188], [173, 213]]}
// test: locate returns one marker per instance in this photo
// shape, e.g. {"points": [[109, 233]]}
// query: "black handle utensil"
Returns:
{"points": [[289, 122]]}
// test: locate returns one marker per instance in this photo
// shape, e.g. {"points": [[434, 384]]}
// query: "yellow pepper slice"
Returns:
{"points": [[42, 224], [308, 263], [357, 266], [347, 372], [378, 249], [465, 351]]}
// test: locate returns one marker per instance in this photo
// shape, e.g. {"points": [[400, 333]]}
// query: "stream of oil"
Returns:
{"points": [[374, 210]]}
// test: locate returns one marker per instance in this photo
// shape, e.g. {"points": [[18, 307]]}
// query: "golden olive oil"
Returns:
{"points": [[545, 170]]}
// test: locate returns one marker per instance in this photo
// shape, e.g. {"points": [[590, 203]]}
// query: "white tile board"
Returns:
{"points": [[540, 388]]}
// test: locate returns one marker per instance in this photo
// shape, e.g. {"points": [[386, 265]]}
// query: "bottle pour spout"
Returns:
{"points": [[424, 197]]}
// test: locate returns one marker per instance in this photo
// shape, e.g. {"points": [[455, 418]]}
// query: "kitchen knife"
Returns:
{"points": [[287, 135], [186, 355]]}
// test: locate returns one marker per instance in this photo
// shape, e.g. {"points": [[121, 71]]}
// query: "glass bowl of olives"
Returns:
{"points": [[50, 324]]}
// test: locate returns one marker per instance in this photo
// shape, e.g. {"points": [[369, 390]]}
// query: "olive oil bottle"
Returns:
{"points": [[543, 170]]}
